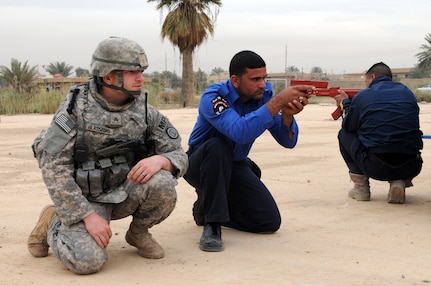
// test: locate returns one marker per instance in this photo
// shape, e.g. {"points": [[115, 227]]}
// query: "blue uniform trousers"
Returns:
{"points": [[231, 192], [383, 167]]}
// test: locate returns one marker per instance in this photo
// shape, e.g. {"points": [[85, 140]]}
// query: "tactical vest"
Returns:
{"points": [[101, 174]]}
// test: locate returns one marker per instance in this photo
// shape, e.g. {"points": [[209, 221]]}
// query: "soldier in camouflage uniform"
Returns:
{"points": [[106, 155]]}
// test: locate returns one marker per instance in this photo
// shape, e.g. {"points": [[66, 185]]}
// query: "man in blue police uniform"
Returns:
{"points": [[232, 114], [380, 136]]}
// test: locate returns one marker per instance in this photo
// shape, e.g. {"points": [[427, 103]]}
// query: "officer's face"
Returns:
{"points": [[250, 85]]}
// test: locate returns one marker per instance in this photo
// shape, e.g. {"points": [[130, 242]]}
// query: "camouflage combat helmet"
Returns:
{"points": [[117, 53]]}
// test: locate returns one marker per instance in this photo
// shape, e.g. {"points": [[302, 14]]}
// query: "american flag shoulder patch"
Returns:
{"points": [[65, 123]]}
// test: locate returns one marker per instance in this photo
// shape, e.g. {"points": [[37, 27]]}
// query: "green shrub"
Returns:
{"points": [[423, 96]]}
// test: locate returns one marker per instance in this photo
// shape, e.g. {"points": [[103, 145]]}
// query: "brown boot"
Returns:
{"points": [[37, 244], [140, 238], [397, 191], [361, 189]]}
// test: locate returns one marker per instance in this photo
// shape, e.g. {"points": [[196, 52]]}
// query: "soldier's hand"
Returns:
{"points": [[98, 228], [147, 167]]}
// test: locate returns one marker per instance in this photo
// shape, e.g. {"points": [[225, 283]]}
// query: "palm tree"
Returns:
{"points": [[62, 68], [425, 56], [19, 77], [292, 69], [217, 71], [187, 25]]}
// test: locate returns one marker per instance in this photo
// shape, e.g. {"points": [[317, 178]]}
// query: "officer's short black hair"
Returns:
{"points": [[379, 69], [245, 60]]}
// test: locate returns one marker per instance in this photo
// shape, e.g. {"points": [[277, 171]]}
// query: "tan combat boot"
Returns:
{"points": [[140, 238], [361, 189], [37, 244], [397, 191]]}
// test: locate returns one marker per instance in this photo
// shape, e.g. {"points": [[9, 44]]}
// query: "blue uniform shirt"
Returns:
{"points": [[222, 114], [386, 117]]}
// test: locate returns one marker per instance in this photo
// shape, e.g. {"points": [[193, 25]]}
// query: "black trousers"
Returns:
{"points": [[231, 191], [360, 161]]}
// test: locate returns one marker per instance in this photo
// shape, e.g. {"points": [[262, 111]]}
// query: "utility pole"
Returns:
{"points": [[285, 65], [166, 71]]}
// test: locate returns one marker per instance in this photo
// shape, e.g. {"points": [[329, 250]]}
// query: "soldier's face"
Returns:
{"points": [[133, 80]]}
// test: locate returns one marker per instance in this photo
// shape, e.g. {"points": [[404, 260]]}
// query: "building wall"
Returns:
{"points": [[352, 80]]}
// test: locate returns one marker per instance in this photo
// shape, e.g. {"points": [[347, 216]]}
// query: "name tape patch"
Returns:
{"points": [[99, 129]]}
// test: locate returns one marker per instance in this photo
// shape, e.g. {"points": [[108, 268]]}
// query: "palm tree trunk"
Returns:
{"points": [[187, 83]]}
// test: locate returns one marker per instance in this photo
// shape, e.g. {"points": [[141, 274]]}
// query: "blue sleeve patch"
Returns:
{"points": [[219, 105]]}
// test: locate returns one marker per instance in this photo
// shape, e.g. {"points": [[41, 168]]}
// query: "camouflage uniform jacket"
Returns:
{"points": [[98, 125]]}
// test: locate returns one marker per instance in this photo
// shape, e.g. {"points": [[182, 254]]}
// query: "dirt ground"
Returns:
{"points": [[325, 238]]}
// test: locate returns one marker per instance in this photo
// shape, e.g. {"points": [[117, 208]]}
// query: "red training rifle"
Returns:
{"points": [[322, 89]]}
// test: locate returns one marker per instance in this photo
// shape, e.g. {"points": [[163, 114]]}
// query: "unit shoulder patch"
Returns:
{"points": [[219, 104], [172, 132]]}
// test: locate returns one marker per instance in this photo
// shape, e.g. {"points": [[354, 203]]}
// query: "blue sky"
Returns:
{"points": [[338, 36]]}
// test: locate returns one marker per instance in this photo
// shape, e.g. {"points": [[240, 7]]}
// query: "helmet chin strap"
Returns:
{"points": [[132, 94]]}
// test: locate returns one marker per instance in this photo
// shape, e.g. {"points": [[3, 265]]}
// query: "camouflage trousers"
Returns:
{"points": [[148, 204]]}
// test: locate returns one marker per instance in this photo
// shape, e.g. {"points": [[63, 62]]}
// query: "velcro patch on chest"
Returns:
{"points": [[115, 120], [219, 105]]}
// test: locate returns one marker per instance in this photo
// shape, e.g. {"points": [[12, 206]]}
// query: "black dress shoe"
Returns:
{"points": [[211, 238]]}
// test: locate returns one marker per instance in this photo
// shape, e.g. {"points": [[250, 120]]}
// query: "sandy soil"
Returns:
{"points": [[325, 238]]}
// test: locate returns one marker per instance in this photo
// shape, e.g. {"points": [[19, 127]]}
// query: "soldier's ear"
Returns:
{"points": [[110, 78]]}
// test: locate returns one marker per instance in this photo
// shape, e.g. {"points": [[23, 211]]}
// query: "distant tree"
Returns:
{"points": [[187, 25], [175, 81], [316, 70], [216, 71], [416, 72], [154, 74], [80, 72], [59, 68], [200, 81], [170, 79], [425, 56], [316, 73], [166, 79], [292, 69], [19, 77]]}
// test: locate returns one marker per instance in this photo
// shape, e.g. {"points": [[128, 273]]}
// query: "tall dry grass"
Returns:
{"points": [[47, 101]]}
